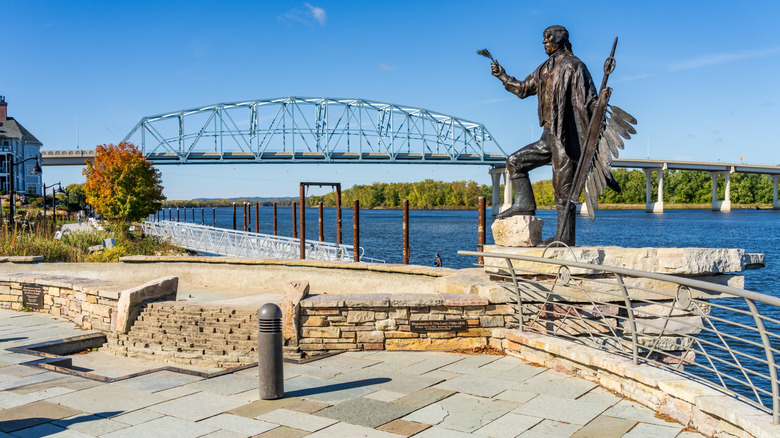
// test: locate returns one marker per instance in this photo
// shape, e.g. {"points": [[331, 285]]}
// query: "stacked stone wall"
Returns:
{"points": [[383, 322], [91, 304]]}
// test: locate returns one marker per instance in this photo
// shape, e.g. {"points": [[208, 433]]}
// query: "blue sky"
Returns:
{"points": [[701, 77]]}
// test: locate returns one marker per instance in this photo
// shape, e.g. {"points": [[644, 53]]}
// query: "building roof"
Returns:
{"points": [[10, 128]]}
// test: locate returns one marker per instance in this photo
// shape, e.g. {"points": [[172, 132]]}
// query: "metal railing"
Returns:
{"points": [[220, 241], [718, 335]]}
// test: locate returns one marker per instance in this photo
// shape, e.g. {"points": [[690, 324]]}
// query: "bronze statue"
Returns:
{"points": [[572, 114]]}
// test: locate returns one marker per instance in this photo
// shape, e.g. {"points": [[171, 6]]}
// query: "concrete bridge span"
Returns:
{"points": [[658, 166]]}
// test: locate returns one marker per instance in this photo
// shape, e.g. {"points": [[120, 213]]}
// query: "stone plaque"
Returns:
{"points": [[32, 295], [448, 325]]}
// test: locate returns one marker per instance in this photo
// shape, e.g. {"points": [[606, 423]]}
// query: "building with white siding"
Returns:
{"points": [[19, 143]]}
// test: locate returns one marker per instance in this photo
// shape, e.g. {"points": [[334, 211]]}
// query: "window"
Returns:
{"points": [[32, 189]]}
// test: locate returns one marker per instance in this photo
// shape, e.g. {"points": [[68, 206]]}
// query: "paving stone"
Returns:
{"points": [[391, 381], [158, 381], [600, 396], [403, 427], [508, 426], [10, 382], [644, 430], [25, 371], [605, 427], [299, 420], [168, 427], [634, 411], [469, 364], [11, 400], [401, 357], [365, 412], [238, 424], [386, 396], [550, 429], [308, 406], [424, 397], [476, 385], [33, 414], [260, 407], [440, 432], [228, 384], [424, 366], [137, 417], [108, 400], [461, 412], [222, 433], [521, 373], [560, 409], [91, 425], [442, 375], [505, 363], [341, 430], [330, 391], [516, 396], [176, 392], [556, 385], [283, 432], [69, 382], [48, 430], [196, 407]]}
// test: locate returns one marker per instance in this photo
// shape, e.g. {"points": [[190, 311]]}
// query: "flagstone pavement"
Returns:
{"points": [[354, 394]]}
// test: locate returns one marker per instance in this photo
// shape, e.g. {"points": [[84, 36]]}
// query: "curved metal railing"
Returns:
{"points": [[720, 335], [220, 241]]}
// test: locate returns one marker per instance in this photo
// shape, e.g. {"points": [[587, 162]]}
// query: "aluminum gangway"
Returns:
{"points": [[232, 243]]}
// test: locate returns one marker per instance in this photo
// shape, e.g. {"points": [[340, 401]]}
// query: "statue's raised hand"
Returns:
{"points": [[496, 69]]}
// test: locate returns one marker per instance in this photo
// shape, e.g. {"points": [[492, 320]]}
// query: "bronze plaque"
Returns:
{"points": [[447, 325], [32, 296]]}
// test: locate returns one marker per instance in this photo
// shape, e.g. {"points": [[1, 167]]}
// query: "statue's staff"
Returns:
{"points": [[594, 131]]}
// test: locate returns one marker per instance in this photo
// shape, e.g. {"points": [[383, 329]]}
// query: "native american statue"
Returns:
{"points": [[578, 137]]}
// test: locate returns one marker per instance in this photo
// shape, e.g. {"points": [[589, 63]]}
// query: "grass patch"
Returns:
{"points": [[38, 240]]}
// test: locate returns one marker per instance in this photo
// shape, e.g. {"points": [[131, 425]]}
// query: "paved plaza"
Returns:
{"points": [[354, 394]]}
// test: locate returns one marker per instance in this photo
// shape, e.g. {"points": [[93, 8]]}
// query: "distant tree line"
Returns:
{"points": [[680, 187], [421, 195]]}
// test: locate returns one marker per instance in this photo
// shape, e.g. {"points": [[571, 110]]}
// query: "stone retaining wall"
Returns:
{"points": [[91, 304], [693, 404], [383, 322]]}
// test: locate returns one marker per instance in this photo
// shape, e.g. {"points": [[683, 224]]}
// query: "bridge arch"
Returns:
{"points": [[313, 130]]}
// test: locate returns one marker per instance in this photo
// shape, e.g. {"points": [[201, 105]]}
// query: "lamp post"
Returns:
{"points": [[52, 197], [36, 170]]}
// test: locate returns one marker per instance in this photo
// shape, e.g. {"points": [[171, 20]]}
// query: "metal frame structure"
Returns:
{"points": [[719, 335], [220, 241], [313, 130]]}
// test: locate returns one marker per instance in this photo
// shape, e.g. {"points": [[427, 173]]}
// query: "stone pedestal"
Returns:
{"points": [[518, 231]]}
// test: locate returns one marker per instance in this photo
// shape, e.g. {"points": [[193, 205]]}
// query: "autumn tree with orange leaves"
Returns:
{"points": [[122, 184]]}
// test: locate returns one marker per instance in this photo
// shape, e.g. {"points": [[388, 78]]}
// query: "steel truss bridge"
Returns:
{"points": [[313, 130]]}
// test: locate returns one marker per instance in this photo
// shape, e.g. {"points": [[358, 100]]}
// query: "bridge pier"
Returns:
{"points": [[497, 206], [725, 204], [658, 206], [775, 201]]}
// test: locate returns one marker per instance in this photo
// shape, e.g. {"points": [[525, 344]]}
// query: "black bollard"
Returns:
{"points": [[269, 352]]}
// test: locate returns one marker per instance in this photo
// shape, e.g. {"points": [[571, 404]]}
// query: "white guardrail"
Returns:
{"points": [[221, 241]]}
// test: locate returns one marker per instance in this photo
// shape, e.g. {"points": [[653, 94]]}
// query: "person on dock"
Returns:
{"points": [[437, 262]]}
